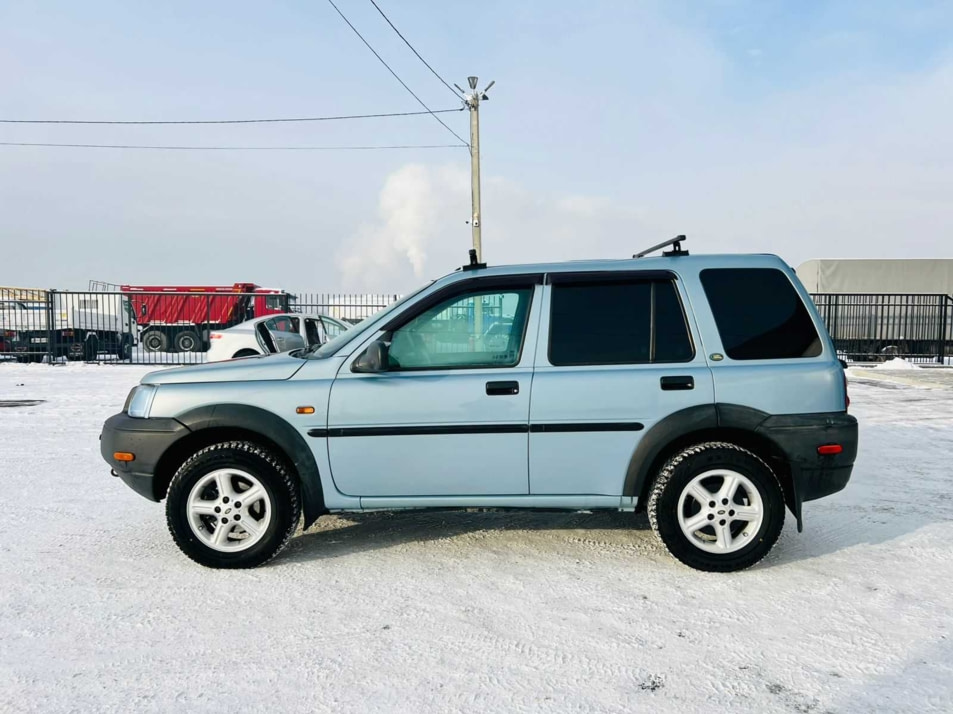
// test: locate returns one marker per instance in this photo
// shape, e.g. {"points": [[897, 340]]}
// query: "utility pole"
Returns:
{"points": [[472, 101]]}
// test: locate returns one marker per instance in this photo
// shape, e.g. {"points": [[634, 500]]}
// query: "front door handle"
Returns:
{"points": [[678, 383], [496, 389]]}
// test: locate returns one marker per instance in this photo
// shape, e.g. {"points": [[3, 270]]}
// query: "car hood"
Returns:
{"points": [[246, 369]]}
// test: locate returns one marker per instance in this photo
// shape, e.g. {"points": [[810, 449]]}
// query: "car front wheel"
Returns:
{"points": [[233, 505], [717, 507]]}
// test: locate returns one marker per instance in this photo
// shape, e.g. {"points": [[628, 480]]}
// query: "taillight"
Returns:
{"points": [[215, 336]]}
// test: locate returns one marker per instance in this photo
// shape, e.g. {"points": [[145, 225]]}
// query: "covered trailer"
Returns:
{"points": [[179, 318], [908, 276], [876, 309]]}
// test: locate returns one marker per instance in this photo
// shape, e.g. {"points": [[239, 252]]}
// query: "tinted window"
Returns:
{"points": [[672, 341], [611, 323], [759, 314], [479, 329]]}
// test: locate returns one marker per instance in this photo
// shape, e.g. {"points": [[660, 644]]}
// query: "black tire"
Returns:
{"points": [[124, 348], [676, 475], [30, 359], [283, 495], [155, 341], [245, 353], [91, 348], [188, 341]]}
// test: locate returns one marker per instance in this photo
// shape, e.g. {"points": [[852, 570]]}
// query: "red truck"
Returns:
{"points": [[179, 318]]}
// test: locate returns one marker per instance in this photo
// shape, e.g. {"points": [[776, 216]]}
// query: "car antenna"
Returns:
{"points": [[675, 242], [473, 265]]}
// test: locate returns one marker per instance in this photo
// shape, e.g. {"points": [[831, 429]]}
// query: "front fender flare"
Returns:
{"points": [[275, 429]]}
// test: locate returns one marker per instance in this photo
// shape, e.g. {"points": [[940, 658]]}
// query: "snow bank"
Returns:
{"points": [[897, 363]]}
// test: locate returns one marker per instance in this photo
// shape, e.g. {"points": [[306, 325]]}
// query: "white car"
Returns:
{"points": [[274, 333]]}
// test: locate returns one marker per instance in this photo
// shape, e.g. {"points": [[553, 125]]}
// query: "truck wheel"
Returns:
{"points": [[187, 341], [124, 349], [233, 505], [717, 507], [91, 348], [155, 341]]}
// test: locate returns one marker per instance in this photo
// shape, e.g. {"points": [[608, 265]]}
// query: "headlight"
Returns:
{"points": [[139, 401]]}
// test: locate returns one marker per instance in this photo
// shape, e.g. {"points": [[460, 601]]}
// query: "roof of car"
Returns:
{"points": [[673, 263]]}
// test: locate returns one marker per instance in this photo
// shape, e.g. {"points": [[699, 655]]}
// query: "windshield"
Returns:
{"points": [[331, 347]]}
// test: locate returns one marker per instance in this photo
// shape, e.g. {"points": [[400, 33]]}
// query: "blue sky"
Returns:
{"points": [[808, 129]]}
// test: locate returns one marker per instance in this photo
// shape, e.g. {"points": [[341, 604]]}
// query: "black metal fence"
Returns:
{"points": [[173, 326], [177, 326], [875, 327], [347, 308]]}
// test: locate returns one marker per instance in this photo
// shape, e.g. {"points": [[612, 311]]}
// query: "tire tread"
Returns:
{"points": [[667, 472], [288, 479]]}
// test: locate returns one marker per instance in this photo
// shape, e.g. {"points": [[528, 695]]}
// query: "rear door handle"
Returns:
{"points": [[496, 389], [677, 383]]}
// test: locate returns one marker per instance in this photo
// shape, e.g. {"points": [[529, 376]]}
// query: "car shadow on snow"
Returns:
{"points": [[830, 526], [340, 535]]}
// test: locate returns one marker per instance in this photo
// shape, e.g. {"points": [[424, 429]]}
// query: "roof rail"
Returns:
{"points": [[676, 242]]}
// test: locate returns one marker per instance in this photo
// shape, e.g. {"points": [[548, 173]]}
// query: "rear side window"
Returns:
{"points": [[759, 314], [605, 322]]}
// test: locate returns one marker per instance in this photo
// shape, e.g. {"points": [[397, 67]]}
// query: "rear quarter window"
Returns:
{"points": [[759, 314]]}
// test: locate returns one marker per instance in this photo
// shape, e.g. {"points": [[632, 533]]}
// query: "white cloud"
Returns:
{"points": [[421, 230], [818, 173]]}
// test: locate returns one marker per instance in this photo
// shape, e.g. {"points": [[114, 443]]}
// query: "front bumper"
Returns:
{"points": [[814, 475], [148, 439]]}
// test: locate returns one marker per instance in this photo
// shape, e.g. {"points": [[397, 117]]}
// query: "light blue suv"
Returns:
{"points": [[701, 389]]}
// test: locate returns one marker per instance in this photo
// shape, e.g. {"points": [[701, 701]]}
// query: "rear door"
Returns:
{"points": [[616, 355]]}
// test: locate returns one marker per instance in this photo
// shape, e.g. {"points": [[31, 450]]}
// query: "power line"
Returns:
{"points": [[412, 49], [232, 148], [232, 121], [402, 83]]}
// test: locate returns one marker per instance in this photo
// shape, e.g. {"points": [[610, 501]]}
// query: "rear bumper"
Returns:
{"points": [[148, 439], [799, 436]]}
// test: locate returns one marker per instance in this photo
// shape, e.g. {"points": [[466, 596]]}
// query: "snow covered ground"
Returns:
{"points": [[488, 612]]}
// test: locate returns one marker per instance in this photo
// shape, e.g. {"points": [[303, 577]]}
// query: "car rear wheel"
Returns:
{"points": [[717, 507], [245, 353], [233, 505]]}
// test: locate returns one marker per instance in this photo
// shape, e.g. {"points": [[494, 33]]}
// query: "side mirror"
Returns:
{"points": [[843, 363], [371, 360]]}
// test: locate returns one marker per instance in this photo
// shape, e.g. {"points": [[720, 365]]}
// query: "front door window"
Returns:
{"points": [[480, 329]]}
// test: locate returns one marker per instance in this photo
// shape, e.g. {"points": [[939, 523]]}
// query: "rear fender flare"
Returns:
{"points": [[705, 420]]}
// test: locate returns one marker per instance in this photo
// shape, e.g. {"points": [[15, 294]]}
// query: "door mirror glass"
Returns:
{"points": [[373, 359]]}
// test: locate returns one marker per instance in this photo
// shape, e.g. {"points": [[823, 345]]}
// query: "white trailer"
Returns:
{"points": [[909, 276], [65, 324]]}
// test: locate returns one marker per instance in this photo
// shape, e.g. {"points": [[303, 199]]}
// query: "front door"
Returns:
{"points": [[450, 415]]}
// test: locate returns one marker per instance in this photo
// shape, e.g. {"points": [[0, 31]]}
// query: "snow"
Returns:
{"points": [[896, 363], [488, 612]]}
